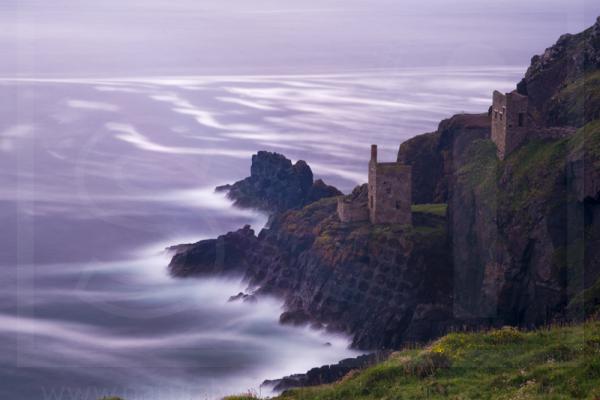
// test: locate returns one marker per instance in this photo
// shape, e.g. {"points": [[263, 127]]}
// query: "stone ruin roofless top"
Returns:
{"points": [[510, 121], [513, 124], [389, 196]]}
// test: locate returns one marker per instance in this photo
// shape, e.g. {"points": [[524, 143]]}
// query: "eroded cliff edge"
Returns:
{"points": [[383, 285], [519, 243]]}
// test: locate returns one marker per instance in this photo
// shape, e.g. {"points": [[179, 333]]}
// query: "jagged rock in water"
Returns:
{"points": [[276, 185], [245, 297], [225, 255]]}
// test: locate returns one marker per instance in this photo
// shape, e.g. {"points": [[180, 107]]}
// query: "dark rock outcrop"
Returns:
{"points": [[245, 297], [277, 185], [222, 256], [336, 274], [327, 373], [562, 82]]}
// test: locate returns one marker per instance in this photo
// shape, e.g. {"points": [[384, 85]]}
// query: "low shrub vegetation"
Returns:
{"points": [[438, 209], [247, 396]]}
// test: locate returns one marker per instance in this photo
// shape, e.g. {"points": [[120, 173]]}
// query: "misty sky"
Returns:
{"points": [[131, 37]]}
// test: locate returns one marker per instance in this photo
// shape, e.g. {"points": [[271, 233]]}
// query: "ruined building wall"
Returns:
{"points": [[386, 199], [509, 121], [351, 210], [498, 126], [390, 196]]}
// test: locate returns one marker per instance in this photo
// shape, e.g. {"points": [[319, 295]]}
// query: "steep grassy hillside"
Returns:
{"points": [[549, 364]]}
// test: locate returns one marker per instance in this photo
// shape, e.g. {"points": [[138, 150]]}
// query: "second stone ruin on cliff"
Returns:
{"points": [[387, 198]]}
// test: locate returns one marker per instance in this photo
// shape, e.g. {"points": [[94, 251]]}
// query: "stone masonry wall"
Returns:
{"points": [[516, 121], [390, 195], [351, 210], [509, 121], [498, 125]]}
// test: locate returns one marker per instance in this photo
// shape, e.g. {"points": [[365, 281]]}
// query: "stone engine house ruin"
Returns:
{"points": [[509, 121], [388, 197]]}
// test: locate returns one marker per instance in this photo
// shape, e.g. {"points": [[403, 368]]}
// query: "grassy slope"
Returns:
{"points": [[579, 101], [532, 170], [438, 209], [319, 219], [556, 363]]}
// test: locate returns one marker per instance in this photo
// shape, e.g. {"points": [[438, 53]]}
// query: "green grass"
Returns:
{"points": [[587, 142], [550, 364], [248, 396], [529, 175], [534, 171], [579, 101], [435, 209], [480, 165]]}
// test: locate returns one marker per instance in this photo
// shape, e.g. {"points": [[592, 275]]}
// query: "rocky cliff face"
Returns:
{"points": [[431, 155], [275, 185], [524, 232], [384, 285], [522, 245], [558, 81]]}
